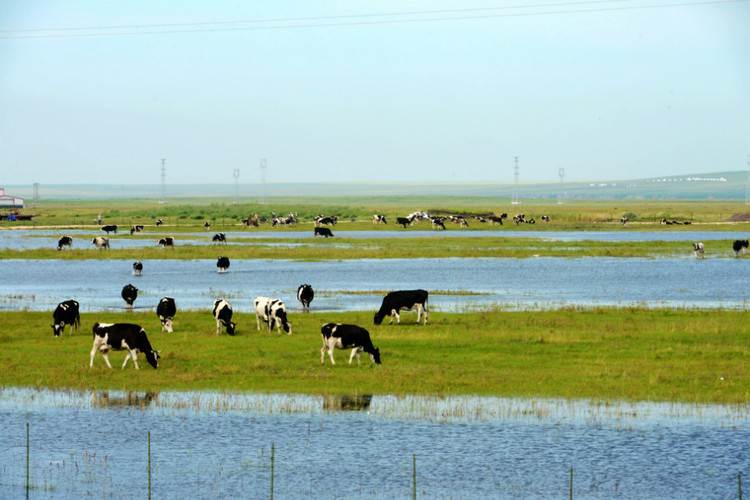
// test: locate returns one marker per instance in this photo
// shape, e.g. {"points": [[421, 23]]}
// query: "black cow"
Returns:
{"points": [[166, 311], [403, 300], [305, 295], [738, 246], [65, 241], [219, 238], [323, 231], [272, 312], [223, 314], [167, 242], [222, 263], [66, 313], [123, 336], [136, 229], [108, 229], [129, 294], [137, 268], [404, 221], [351, 337]]}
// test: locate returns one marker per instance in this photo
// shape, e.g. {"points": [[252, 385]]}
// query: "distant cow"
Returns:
{"points": [[136, 229], [137, 268], [223, 314], [326, 220], [207, 225], [166, 310], [403, 300], [167, 242], [438, 223], [66, 313], [272, 312], [219, 238], [65, 241], [352, 337], [378, 219], [624, 221], [404, 221], [129, 294], [222, 263], [123, 336], [108, 229], [545, 218], [101, 242], [323, 231], [698, 249], [159, 222], [739, 247], [305, 295]]}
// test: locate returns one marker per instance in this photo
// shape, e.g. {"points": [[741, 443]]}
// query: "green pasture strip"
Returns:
{"points": [[602, 354]]}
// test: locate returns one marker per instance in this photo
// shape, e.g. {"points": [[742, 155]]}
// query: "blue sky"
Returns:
{"points": [[100, 92]]}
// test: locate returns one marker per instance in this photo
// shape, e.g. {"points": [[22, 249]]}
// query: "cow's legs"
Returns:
{"points": [[105, 355], [131, 354], [218, 326], [355, 352], [257, 321], [323, 354], [330, 354], [394, 314], [93, 353]]}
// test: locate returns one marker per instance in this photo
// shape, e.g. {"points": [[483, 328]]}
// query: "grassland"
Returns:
{"points": [[601, 354]]}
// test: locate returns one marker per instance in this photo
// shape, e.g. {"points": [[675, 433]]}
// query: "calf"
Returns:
{"points": [[739, 246], [101, 242], [66, 313], [305, 295], [123, 336], [272, 312], [223, 314], [222, 263], [129, 294], [137, 268], [698, 249], [167, 242], [219, 238], [323, 231], [403, 300], [136, 229], [108, 229], [351, 337], [377, 219], [65, 241], [166, 310]]}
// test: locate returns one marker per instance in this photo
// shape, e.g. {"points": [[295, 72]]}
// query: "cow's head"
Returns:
{"points": [[287, 326], [167, 323], [153, 358], [378, 318], [230, 327], [58, 329], [375, 356]]}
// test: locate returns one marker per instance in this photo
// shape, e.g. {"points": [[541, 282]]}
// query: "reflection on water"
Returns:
{"points": [[347, 402], [103, 399]]}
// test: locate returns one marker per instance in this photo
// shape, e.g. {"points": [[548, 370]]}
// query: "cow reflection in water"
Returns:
{"points": [[102, 399], [347, 402]]}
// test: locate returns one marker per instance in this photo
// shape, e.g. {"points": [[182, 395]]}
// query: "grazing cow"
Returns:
{"points": [[129, 294], [623, 221], [166, 310], [403, 300], [272, 312], [222, 264], [219, 238], [545, 218], [136, 229], [159, 222], [305, 295], [326, 220], [223, 314], [698, 249], [101, 242], [66, 313], [107, 229], [356, 338], [404, 221], [323, 231], [738, 246], [377, 219], [437, 223], [496, 220], [137, 268], [207, 225], [65, 241], [123, 336], [167, 242]]}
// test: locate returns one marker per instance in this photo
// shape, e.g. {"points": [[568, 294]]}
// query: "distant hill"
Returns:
{"points": [[719, 185]]}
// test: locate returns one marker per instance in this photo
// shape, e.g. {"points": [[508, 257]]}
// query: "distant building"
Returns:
{"points": [[7, 201]]}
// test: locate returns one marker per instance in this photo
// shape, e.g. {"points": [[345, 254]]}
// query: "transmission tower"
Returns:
{"points": [[36, 194], [163, 199], [262, 199], [561, 195], [747, 186], [236, 175], [514, 199]]}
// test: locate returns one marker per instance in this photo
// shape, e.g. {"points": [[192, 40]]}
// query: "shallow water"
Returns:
{"points": [[211, 445]]}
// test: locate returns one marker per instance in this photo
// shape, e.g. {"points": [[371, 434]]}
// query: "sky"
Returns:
{"points": [[96, 92]]}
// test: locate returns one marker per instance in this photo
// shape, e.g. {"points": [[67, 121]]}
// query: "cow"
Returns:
{"points": [[305, 295], [222, 263], [129, 294], [698, 249], [159, 222], [320, 219], [66, 313], [739, 247], [123, 336], [65, 241], [166, 242], [406, 300], [545, 218], [496, 220], [166, 310], [323, 231], [108, 229], [223, 314], [136, 229], [377, 219], [404, 221], [272, 312], [437, 223], [219, 238], [623, 221], [101, 242], [250, 222], [137, 268], [207, 225], [356, 338]]}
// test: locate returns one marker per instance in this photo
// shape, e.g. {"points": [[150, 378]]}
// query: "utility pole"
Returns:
{"points": [[36, 194], [163, 182], [514, 199], [236, 175], [561, 196], [747, 186], [262, 199]]}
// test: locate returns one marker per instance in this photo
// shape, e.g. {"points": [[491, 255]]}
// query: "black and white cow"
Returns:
{"points": [[698, 249], [207, 225], [403, 300], [356, 338], [166, 242], [137, 268], [129, 294], [320, 219], [108, 229], [623, 221], [219, 238], [545, 218], [65, 241], [305, 295], [378, 219], [222, 263], [159, 222], [323, 231], [223, 314], [101, 242], [66, 313], [438, 223], [404, 221], [739, 247], [166, 310], [123, 336], [272, 312], [136, 229]]}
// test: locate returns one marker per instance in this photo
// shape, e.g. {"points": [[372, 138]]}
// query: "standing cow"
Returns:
{"points": [[403, 300], [166, 310], [65, 241], [356, 338], [223, 315], [323, 231], [222, 263], [305, 295], [123, 336], [272, 312], [739, 246], [129, 294], [66, 313], [101, 242], [137, 268]]}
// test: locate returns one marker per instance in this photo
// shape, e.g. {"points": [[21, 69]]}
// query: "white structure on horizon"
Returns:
{"points": [[7, 201], [514, 198]]}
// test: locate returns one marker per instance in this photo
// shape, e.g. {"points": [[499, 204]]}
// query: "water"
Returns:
{"points": [[455, 284], [211, 445]]}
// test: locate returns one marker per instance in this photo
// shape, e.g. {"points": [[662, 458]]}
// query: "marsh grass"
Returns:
{"points": [[628, 354]]}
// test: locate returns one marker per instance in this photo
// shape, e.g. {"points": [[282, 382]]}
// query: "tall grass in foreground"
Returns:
{"points": [[600, 353]]}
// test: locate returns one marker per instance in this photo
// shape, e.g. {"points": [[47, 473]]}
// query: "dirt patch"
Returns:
{"points": [[740, 217]]}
